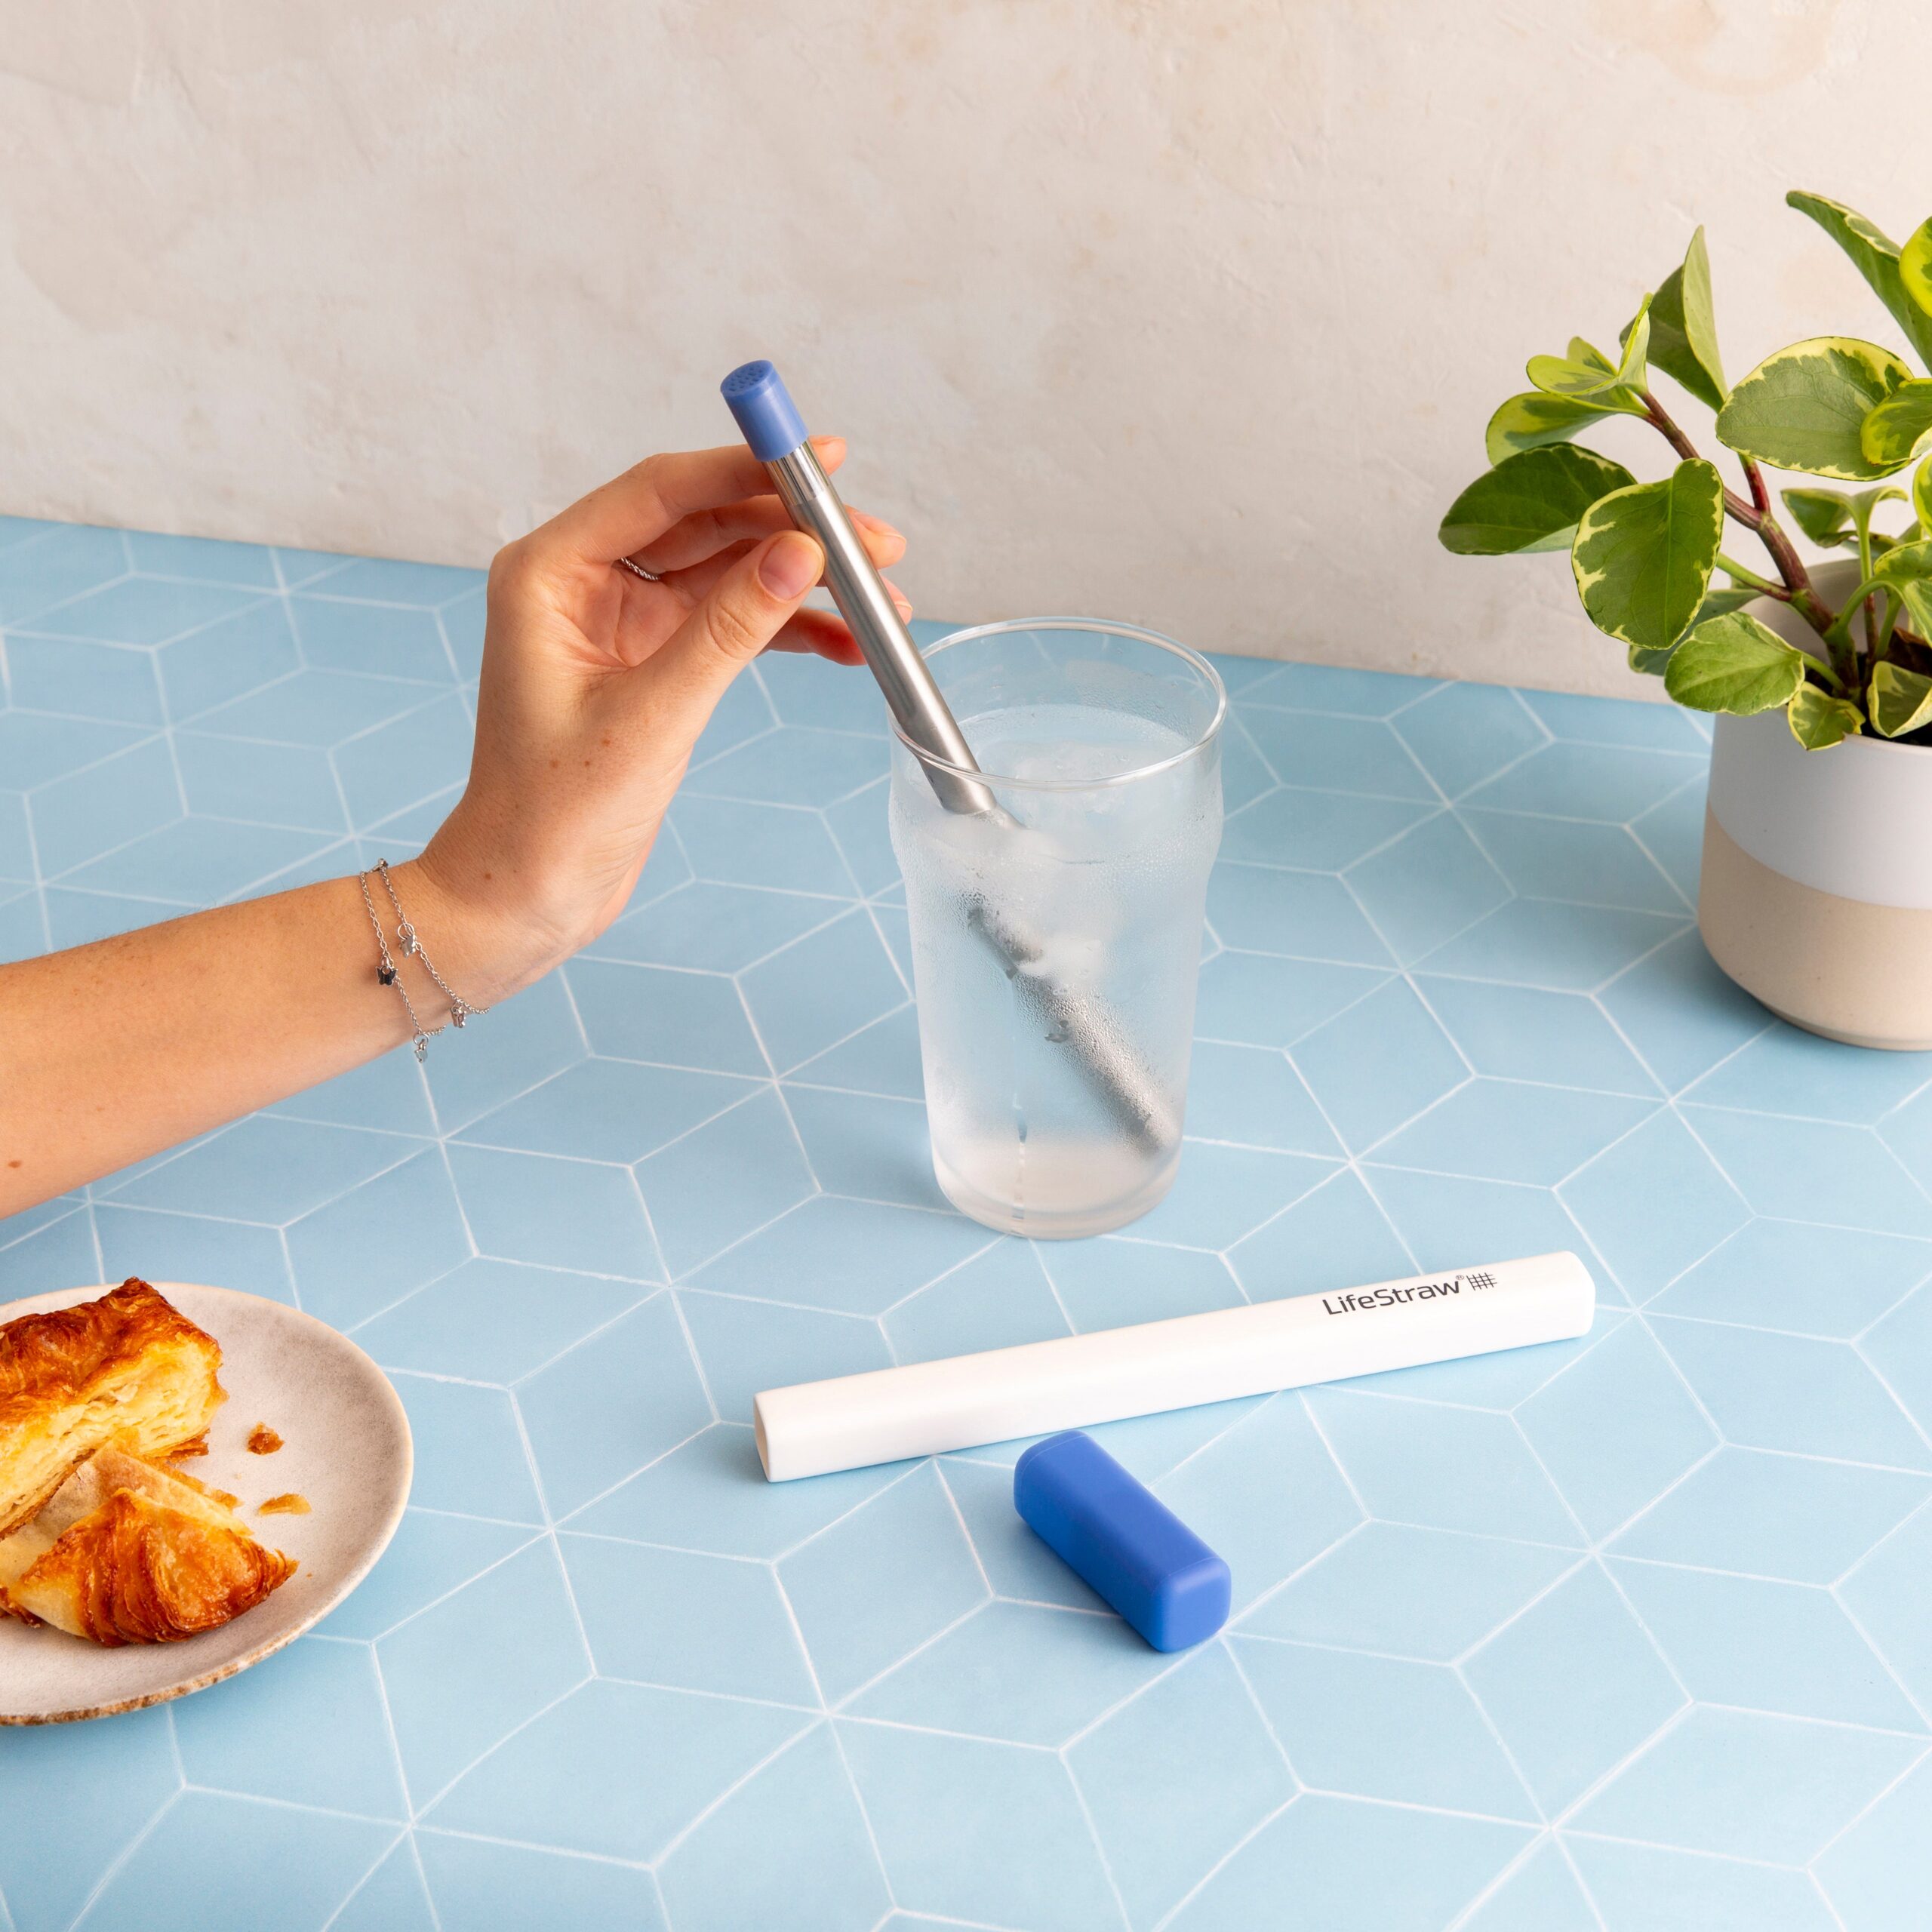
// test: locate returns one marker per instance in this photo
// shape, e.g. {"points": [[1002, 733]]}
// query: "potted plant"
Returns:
{"points": [[1817, 889]]}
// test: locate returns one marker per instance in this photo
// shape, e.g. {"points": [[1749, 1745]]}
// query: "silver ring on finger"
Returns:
{"points": [[638, 570]]}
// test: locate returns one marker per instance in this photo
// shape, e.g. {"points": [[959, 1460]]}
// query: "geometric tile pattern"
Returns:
{"points": [[1620, 1634]]}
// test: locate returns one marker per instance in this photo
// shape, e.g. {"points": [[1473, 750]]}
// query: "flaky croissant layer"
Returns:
{"points": [[127, 1367], [95, 1538], [127, 1553]]}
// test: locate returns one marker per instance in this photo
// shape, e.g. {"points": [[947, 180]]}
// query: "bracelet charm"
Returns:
{"points": [[388, 974]]}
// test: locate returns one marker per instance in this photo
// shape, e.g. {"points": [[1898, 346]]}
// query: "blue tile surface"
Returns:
{"points": [[327, 1692], [54, 564], [1637, 1886], [136, 611], [1574, 1684], [131, 1771], [1193, 1752], [228, 660], [1601, 1637], [480, 1885], [1385, 1727], [1427, 886], [1549, 858], [789, 1846], [393, 1898], [1739, 1784], [1463, 734], [695, 1622], [307, 1861], [465, 1672], [550, 1783], [1333, 1864], [1048, 1870], [1033, 1673]]}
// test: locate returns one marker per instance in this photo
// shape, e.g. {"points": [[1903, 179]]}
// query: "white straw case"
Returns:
{"points": [[1076, 1381]]}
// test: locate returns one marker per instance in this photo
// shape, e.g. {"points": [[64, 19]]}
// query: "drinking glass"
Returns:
{"points": [[1057, 941]]}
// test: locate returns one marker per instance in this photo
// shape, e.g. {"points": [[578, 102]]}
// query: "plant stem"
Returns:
{"points": [[1841, 630], [1756, 517], [1762, 584], [1892, 607], [1804, 600], [1660, 419]]}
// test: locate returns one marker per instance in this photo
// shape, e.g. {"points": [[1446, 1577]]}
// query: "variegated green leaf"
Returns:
{"points": [[1804, 407], [1818, 719], [1530, 501], [1921, 494], [1832, 518], [1532, 420], [1916, 596], [1684, 338], [1868, 542], [1585, 375], [1734, 663], [1865, 502], [1643, 554], [1719, 598], [1876, 256], [1824, 515], [1901, 700], [1896, 431], [1915, 266], [1903, 563]]}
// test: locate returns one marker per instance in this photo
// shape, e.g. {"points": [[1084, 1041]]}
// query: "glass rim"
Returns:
{"points": [[1193, 659]]}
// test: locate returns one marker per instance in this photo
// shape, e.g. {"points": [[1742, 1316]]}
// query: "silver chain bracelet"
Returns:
{"points": [[461, 1009]]}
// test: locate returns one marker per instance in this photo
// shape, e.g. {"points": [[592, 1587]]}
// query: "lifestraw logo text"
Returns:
{"points": [[1357, 1303]]}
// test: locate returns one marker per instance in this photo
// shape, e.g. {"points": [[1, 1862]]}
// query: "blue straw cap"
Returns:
{"points": [[767, 417], [1122, 1540]]}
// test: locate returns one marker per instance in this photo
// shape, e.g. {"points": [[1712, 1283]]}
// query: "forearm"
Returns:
{"points": [[112, 1051], [597, 681]]}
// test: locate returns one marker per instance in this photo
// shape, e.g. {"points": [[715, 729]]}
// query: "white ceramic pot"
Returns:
{"points": [[1816, 890]]}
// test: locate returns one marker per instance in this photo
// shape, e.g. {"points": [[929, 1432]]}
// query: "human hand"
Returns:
{"points": [[595, 686]]}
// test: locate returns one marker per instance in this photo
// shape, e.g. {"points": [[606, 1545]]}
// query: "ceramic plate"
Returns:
{"points": [[346, 1447]]}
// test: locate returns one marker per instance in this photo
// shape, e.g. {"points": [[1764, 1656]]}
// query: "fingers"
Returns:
{"points": [[820, 634], [747, 607], [637, 508], [704, 534], [697, 581]]}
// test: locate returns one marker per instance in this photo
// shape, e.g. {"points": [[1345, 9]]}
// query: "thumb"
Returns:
{"points": [[741, 613]]}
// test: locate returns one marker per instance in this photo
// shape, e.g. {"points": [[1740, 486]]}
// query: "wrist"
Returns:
{"points": [[471, 921]]}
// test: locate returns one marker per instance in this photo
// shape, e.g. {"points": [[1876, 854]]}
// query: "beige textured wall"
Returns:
{"points": [[1189, 312]]}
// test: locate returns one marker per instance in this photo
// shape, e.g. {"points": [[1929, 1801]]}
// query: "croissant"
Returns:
{"points": [[127, 1367], [123, 1552]]}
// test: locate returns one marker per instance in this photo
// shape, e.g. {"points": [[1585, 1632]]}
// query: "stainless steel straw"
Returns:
{"points": [[771, 425]]}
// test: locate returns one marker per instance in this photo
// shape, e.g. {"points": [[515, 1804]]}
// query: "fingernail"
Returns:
{"points": [[866, 520], [791, 566]]}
